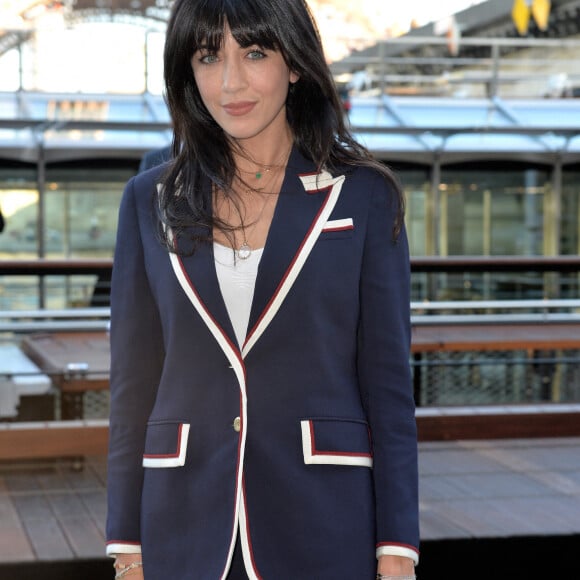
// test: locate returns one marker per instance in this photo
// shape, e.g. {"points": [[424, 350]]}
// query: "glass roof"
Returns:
{"points": [[415, 129]]}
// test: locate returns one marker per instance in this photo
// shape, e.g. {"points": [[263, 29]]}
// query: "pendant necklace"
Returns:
{"points": [[245, 250]]}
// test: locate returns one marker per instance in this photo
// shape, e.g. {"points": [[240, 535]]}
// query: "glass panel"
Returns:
{"points": [[492, 211], [80, 221], [416, 185], [570, 225], [19, 204], [81, 210], [467, 113]]}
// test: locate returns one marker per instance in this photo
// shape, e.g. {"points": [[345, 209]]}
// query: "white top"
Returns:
{"points": [[237, 280]]}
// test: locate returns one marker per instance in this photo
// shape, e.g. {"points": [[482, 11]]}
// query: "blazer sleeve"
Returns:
{"points": [[136, 362], [385, 376]]}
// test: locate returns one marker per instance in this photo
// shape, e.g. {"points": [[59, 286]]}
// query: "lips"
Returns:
{"points": [[239, 109]]}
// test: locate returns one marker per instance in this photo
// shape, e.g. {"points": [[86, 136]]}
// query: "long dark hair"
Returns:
{"points": [[202, 153]]}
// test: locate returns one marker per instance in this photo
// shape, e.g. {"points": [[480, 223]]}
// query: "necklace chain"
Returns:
{"points": [[244, 250], [264, 168]]}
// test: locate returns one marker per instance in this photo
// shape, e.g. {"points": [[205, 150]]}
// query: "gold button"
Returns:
{"points": [[237, 424]]}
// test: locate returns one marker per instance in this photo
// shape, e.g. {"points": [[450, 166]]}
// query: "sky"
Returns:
{"points": [[385, 17], [402, 12]]}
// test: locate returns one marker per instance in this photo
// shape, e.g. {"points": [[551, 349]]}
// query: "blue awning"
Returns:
{"points": [[413, 129]]}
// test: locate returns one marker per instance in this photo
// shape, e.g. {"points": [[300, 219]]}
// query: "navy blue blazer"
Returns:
{"points": [[303, 441]]}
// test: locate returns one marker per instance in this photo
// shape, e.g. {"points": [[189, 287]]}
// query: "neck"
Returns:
{"points": [[260, 156]]}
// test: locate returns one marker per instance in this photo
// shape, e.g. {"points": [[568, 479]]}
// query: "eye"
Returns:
{"points": [[207, 57], [256, 54]]}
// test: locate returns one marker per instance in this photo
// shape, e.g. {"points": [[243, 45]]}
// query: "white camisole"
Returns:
{"points": [[237, 280]]}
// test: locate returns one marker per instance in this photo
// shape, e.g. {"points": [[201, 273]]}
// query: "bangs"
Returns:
{"points": [[251, 23]]}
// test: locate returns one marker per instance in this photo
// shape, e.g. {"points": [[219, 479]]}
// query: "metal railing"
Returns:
{"points": [[507, 67], [423, 314], [69, 319], [463, 279], [494, 311]]}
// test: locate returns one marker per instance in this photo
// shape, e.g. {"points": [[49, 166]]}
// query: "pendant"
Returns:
{"points": [[259, 175], [244, 251]]}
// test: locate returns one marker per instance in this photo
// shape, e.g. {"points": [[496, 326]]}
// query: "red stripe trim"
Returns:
{"points": [[123, 542], [289, 269], [234, 523], [234, 347], [338, 228], [254, 567], [315, 191], [342, 453], [238, 355], [315, 451], [168, 455], [399, 544]]}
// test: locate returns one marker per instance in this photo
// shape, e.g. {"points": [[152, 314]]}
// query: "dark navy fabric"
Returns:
{"points": [[336, 352]]}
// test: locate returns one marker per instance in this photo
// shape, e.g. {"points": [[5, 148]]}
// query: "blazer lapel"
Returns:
{"points": [[304, 205], [202, 277], [196, 273], [306, 201]]}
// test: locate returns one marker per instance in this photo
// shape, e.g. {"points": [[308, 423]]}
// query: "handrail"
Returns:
{"points": [[93, 319], [446, 264], [442, 264], [545, 304], [68, 313], [42, 320], [54, 267], [481, 319], [424, 312]]}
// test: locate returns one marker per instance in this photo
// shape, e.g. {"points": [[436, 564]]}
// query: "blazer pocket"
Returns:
{"points": [[337, 229], [166, 444], [331, 441]]}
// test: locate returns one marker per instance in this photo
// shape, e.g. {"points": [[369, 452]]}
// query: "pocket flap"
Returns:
{"points": [[166, 444], [332, 441], [341, 225]]}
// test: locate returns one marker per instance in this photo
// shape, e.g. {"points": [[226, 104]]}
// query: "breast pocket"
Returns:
{"points": [[332, 441], [337, 229], [166, 444]]}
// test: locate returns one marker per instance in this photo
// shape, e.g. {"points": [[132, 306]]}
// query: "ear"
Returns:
{"points": [[293, 77]]}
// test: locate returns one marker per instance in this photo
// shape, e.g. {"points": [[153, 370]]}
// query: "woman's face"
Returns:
{"points": [[244, 89]]}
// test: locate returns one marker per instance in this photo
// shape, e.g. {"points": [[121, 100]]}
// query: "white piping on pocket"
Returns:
{"points": [[338, 225], [176, 459], [315, 456]]}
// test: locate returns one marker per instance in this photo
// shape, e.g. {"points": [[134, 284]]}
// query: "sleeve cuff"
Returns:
{"points": [[398, 550], [118, 547]]}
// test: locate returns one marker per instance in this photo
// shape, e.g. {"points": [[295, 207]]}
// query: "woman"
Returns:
{"points": [[262, 421]]}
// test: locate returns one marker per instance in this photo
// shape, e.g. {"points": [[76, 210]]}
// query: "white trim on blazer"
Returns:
{"points": [[320, 457], [176, 459], [338, 225], [313, 183]]}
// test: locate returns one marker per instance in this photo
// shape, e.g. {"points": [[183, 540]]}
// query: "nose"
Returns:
{"points": [[233, 76]]}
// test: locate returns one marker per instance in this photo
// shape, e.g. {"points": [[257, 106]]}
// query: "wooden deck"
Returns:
{"points": [[469, 489], [500, 488], [49, 512]]}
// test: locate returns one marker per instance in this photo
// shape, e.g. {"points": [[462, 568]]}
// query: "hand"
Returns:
{"points": [[125, 560], [396, 565], [136, 574]]}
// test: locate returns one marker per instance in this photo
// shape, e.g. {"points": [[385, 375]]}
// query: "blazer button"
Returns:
{"points": [[237, 424]]}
